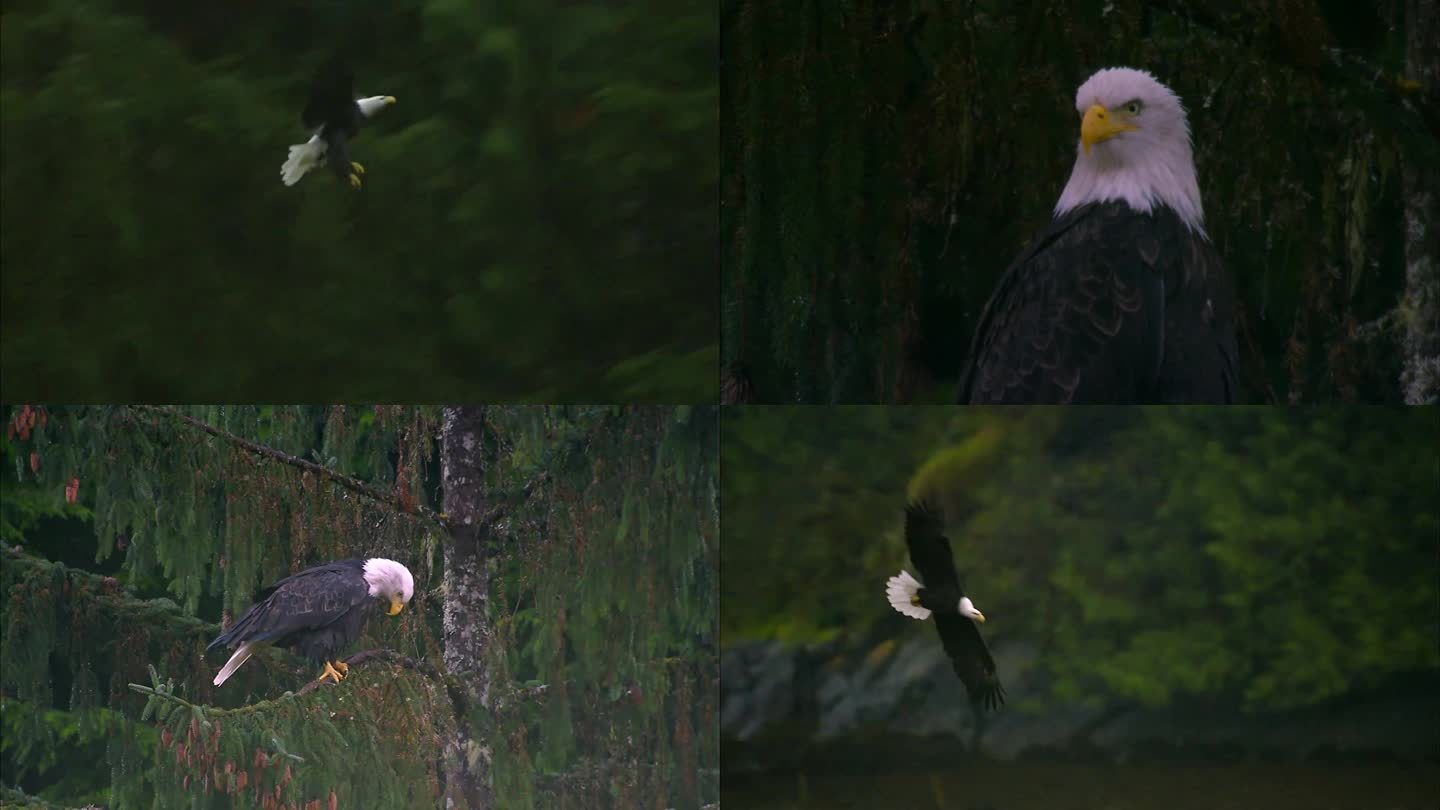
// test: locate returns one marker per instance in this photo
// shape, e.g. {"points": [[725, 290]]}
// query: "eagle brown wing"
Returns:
{"points": [[970, 657], [1109, 305], [929, 547]]}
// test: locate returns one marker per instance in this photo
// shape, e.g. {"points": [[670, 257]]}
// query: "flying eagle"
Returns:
{"points": [[956, 617], [334, 115], [317, 612], [1122, 298]]}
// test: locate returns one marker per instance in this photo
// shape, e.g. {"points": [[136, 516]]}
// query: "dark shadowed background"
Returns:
{"points": [[538, 221], [883, 162], [1189, 607]]}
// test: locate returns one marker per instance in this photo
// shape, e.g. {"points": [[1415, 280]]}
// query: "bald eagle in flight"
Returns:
{"points": [[333, 115], [317, 612], [1122, 298], [956, 617]]}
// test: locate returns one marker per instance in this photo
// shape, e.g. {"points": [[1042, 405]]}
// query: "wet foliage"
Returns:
{"points": [[130, 532]]}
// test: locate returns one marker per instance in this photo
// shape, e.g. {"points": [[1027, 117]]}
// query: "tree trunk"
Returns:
{"points": [[468, 781], [1420, 309]]}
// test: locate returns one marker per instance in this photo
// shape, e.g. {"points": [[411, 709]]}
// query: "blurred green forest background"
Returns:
{"points": [[882, 163], [538, 221], [1266, 558]]}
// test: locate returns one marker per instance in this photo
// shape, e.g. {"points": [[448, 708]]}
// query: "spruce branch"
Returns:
{"points": [[12, 794], [513, 501], [1337, 64], [162, 692], [108, 591], [347, 481], [205, 711]]}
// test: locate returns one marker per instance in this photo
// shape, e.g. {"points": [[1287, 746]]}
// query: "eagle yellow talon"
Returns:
{"points": [[354, 180], [343, 668], [357, 168], [331, 673]]}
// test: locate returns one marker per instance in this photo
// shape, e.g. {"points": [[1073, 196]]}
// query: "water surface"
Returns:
{"points": [[994, 786]]}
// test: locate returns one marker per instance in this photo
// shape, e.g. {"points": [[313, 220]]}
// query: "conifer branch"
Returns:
{"points": [[347, 481], [513, 502], [358, 659], [1338, 65], [108, 591], [214, 711], [26, 800]]}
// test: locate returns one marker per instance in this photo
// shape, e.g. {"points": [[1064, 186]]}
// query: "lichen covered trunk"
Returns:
{"points": [[1420, 309], [468, 781]]}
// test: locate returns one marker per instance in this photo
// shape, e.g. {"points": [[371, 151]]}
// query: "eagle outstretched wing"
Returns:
{"points": [[929, 547], [970, 657], [966, 648], [332, 96]]}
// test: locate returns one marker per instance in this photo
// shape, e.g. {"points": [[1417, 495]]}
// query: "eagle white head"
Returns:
{"points": [[969, 611], [389, 580], [373, 104], [1134, 147]]}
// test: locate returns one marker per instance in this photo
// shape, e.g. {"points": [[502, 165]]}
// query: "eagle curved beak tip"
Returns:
{"points": [[395, 607], [1099, 125], [979, 617]]}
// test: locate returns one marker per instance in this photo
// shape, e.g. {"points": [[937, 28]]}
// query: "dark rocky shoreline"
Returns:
{"points": [[898, 701]]}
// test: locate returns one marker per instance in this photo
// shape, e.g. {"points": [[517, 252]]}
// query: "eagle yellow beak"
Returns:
{"points": [[979, 617], [1100, 125], [389, 99], [395, 606]]}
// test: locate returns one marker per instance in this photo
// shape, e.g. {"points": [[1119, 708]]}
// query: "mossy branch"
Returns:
{"points": [[450, 683], [347, 481], [109, 592], [204, 711]]}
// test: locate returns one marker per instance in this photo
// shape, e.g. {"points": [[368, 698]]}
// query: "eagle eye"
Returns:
{"points": [[1133, 107]]}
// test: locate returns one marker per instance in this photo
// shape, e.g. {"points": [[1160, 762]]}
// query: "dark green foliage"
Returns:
{"points": [[610, 600], [538, 221], [882, 163], [1274, 558], [604, 669]]}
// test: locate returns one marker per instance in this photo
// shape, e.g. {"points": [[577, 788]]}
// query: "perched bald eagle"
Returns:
{"points": [[1122, 298], [334, 116], [317, 612], [956, 617]]}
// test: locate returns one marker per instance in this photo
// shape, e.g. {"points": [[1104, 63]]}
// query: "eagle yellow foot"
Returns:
{"points": [[356, 168], [343, 668], [354, 180], [331, 672]]}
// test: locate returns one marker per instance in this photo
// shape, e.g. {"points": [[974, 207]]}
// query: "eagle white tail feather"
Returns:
{"points": [[900, 590], [242, 654], [303, 158]]}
